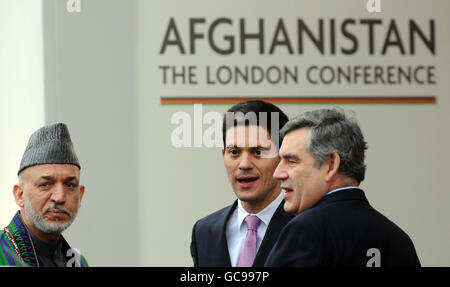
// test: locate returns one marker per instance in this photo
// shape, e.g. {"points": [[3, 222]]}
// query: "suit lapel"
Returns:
{"points": [[279, 219], [222, 251]]}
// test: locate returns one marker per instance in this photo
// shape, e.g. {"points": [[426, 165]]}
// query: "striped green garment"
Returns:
{"points": [[16, 247]]}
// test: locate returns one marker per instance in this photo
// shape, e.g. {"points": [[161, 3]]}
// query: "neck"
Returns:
{"points": [[342, 182], [49, 238], [254, 207]]}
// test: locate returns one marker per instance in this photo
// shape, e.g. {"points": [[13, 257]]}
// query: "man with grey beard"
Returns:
{"points": [[49, 195]]}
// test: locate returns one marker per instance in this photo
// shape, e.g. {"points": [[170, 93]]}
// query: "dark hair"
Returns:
{"points": [[241, 115], [333, 131]]}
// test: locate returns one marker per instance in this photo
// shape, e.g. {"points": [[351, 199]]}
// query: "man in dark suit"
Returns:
{"points": [[243, 233], [322, 165]]}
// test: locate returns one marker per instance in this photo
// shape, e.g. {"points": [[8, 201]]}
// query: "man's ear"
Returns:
{"points": [[333, 163], [223, 152], [81, 192], [18, 195]]}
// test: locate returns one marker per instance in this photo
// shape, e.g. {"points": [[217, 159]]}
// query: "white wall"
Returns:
{"points": [[89, 85], [21, 90]]}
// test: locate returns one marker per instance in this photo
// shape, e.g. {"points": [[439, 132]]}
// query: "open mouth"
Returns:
{"points": [[286, 189], [244, 179], [287, 192]]}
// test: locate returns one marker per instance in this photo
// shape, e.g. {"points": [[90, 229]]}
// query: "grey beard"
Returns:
{"points": [[37, 219]]}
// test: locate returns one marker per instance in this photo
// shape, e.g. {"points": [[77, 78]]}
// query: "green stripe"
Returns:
{"points": [[85, 263], [3, 259], [11, 247], [18, 239]]}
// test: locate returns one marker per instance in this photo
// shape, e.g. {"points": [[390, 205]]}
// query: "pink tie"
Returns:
{"points": [[249, 250]]}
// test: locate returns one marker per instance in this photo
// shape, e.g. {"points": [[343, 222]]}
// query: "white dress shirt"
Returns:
{"points": [[236, 229], [342, 188]]}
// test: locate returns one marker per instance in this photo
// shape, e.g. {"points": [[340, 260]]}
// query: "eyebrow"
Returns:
{"points": [[231, 146], [49, 177], [261, 147], [258, 147], [289, 156], [70, 178]]}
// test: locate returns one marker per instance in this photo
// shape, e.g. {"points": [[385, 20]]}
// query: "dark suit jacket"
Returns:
{"points": [[341, 230], [209, 243]]}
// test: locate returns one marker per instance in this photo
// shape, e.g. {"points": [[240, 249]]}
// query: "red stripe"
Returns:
{"points": [[377, 100], [13, 243]]}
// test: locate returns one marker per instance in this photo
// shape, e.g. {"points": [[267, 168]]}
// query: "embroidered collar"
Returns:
{"points": [[22, 240], [19, 236]]}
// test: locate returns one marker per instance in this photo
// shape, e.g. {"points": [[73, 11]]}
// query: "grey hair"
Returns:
{"points": [[21, 180], [333, 131]]}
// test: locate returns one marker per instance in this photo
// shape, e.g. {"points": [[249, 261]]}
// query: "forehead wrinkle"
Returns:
{"points": [[50, 173], [47, 177]]}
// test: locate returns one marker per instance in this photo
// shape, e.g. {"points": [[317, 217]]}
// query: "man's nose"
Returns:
{"points": [[246, 161], [58, 194], [280, 173]]}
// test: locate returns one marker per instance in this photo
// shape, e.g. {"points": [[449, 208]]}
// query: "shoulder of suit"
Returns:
{"points": [[318, 214], [334, 210]]}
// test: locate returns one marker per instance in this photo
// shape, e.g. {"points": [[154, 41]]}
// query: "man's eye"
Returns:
{"points": [[258, 152], [44, 184], [234, 151], [70, 185]]}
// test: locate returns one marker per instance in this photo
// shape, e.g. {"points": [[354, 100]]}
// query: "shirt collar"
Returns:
{"points": [[342, 188], [264, 215]]}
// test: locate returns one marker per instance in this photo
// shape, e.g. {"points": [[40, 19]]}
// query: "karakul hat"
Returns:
{"points": [[49, 145]]}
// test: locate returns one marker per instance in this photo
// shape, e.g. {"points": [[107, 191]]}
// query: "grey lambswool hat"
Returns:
{"points": [[49, 145]]}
